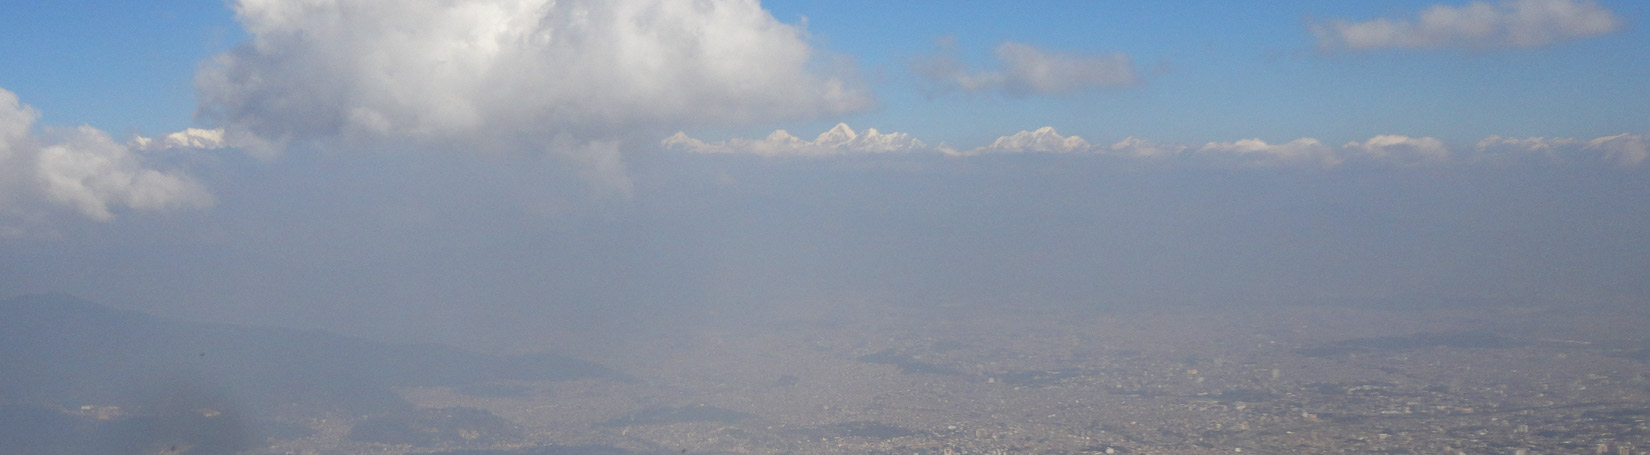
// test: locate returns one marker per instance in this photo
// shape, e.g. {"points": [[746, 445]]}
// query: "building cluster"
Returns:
{"points": [[1285, 380]]}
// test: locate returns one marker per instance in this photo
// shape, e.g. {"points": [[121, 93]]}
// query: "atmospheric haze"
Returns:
{"points": [[442, 215]]}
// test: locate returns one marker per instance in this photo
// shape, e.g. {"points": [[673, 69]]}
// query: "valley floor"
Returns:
{"points": [[970, 380]]}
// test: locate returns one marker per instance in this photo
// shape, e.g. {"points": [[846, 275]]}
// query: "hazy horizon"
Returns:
{"points": [[633, 227], [479, 172], [449, 256]]}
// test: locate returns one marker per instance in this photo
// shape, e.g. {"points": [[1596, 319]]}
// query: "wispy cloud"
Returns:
{"points": [[84, 169], [1028, 70], [1477, 25]]}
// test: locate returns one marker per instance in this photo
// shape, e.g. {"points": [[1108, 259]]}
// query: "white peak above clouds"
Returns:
{"points": [[1403, 150], [83, 169], [1140, 148], [1386, 150], [1623, 150], [1258, 153], [838, 135], [91, 172], [1476, 25], [196, 138], [1042, 140], [839, 140]]}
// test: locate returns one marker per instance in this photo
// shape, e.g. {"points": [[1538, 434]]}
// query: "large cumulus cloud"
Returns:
{"points": [[83, 169], [570, 77]]}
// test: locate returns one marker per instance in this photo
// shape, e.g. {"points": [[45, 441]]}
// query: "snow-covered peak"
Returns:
{"points": [[839, 140], [1044, 140], [839, 134]]}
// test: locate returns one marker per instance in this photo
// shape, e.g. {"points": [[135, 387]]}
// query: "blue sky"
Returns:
{"points": [[1212, 70], [480, 163], [113, 65], [1234, 70]]}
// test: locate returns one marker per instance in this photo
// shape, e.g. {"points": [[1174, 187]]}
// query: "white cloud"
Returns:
{"points": [[842, 140], [85, 169], [1043, 140], [1383, 151], [16, 147], [1035, 71], [1624, 150], [1402, 150], [1047, 140], [1500, 144], [1258, 153], [196, 138], [839, 140], [15, 120], [1028, 70], [90, 172], [1497, 148], [1140, 148], [1477, 25], [571, 77]]}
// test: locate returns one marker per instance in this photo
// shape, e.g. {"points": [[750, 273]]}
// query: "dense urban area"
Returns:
{"points": [[977, 380]]}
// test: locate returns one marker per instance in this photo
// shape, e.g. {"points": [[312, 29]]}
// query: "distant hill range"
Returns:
{"points": [[62, 352]]}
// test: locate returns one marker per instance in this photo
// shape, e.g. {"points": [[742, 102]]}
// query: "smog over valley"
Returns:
{"points": [[636, 227]]}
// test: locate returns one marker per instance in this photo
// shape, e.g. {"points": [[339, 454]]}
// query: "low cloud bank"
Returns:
{"points": [[85, 170], [1387, 150], [839, 140]]}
